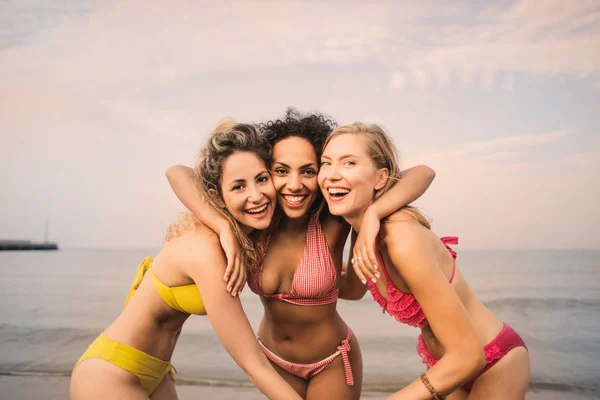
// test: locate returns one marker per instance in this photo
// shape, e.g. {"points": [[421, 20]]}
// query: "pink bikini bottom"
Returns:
{"points": [[307, 371], [506, 340]]}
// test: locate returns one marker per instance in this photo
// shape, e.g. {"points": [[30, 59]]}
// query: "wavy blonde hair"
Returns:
{"points": [[384, 155], [227, 138]]}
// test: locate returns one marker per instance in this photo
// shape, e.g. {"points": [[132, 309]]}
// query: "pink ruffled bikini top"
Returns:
{"points": [[404, 306]]}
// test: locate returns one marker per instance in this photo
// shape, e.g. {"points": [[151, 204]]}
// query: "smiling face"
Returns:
{"points": [[348, 178], [247, 190], [294, 174]]}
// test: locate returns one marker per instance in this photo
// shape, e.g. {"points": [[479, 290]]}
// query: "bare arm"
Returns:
{"points": [[181, 179], [412, 184], [205, 265], [414, 258], [351, 288]]}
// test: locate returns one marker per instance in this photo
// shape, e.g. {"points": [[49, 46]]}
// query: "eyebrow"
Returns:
{"points": [[340, 157], [243, 180], [310, 164]]}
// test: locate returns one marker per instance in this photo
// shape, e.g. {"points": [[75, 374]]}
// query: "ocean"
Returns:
{"points": [[53, 304]]}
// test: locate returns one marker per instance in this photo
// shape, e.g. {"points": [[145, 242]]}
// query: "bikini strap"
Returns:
{"points": [[451, 240], [139, 275]]}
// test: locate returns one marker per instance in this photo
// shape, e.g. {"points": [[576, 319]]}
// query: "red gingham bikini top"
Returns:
{"points": [[404, 306], [314, 281]]}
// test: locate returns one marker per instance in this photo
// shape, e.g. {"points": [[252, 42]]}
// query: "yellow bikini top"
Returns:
{"points": [[185, 298]]}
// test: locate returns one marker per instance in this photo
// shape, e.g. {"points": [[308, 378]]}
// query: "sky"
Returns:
{"points": [[502, 99]]}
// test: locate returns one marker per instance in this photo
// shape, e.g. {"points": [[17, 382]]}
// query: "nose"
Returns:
{"points": [[255, 195], [332, 173], [294, 182]]}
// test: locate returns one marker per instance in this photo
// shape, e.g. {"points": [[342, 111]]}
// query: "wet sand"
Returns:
{"points": [[57, 388]]}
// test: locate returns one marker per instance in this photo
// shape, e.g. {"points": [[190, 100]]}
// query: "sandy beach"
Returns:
{"points": [[57, 388]]}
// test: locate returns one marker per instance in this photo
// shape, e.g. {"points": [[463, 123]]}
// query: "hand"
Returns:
{"points": [[235, 273], [364, 259]]}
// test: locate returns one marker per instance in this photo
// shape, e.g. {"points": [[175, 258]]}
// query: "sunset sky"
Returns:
{"points": [[501, 98]]}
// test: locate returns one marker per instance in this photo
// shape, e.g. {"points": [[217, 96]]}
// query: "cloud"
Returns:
{"points": [[501, 144], [398, 80]]}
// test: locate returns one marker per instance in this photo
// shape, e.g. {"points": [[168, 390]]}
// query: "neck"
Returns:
{"points": [[295, 224], [355, 219]]}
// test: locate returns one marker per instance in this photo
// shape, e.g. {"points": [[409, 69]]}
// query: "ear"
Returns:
{"points": [[217, 199], [382, 177]]}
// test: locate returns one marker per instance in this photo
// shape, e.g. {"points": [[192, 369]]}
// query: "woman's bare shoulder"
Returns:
{"points": [[200, 244]]}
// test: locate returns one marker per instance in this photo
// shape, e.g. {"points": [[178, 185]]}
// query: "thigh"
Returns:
{"points": [[508, 379], [165, 390], [96, 378], [331, 382], [298, 384]]}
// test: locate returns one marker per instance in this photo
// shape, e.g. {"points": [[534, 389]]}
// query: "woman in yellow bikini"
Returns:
{"points": [[131, 358]]}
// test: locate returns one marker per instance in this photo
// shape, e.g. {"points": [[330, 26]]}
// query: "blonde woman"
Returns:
{"points": [[469, 351], [131, 358]]}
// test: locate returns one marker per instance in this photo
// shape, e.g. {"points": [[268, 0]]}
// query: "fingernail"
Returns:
{"points": [[377, 275], [373, 280], [375, 266], [229, 289], [364, 281]]}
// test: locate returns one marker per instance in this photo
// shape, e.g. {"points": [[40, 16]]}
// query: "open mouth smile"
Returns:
{"points": [[337, 193]]}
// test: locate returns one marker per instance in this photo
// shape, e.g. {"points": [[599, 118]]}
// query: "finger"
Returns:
{"points": [[373, 260], [367, 261], [358, 272], [232, 281], [240, 280], [364, 266], [229, 269]]}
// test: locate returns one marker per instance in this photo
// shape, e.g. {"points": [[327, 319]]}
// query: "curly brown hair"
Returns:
{"points": [[227, 138]]}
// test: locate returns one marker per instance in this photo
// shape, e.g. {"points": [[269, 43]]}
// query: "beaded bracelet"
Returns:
{"points": [[429, 386]]}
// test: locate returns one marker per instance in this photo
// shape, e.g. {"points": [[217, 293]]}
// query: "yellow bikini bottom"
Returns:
{"points": [[148, 369]]}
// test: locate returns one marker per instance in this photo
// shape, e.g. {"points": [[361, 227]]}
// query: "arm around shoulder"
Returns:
{"points": [[205, 265]]}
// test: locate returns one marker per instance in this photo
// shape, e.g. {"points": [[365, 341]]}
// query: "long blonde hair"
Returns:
{"points": [[384, 155], [227, 138]]}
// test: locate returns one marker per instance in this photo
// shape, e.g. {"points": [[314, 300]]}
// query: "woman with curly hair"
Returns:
{"points": [[131, 358], [300, 277]]}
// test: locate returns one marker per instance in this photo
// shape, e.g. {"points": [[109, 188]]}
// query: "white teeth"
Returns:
{"points": [[257, 210], [338, 191], [294, 199]]}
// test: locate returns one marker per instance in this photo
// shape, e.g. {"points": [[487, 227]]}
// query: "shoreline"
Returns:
{"points": [[54, 387]]}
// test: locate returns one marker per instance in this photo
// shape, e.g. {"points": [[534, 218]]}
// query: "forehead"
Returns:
{"points": [[243, 165], [347, 144], [294, 150]]}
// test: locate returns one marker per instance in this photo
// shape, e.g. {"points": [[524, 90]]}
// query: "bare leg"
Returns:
{"points": [[298, 384], [166, 390], [508, 379], [96, 379], [331, 382]]}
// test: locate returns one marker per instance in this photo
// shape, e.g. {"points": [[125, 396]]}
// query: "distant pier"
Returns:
{"points": [[17, 245]]}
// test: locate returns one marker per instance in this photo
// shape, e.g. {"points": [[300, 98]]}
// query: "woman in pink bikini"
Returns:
{"points": [[300, 281], [469, 352]]}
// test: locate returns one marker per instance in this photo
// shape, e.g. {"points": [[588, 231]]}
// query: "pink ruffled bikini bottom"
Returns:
{"points": [[506, 340]]}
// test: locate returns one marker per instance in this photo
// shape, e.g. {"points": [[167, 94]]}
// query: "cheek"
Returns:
{"points": [[278, 182], [232, 202], [312, 184]]}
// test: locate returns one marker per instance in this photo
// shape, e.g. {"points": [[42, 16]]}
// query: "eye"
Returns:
{"points": [[263, 179], [280, 171], [237, 188], [350, 163], [310, 172], [325, 163]]}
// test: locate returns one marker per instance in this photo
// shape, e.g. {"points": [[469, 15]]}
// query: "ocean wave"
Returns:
{"points": [[386, 387], [543, 302]]}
